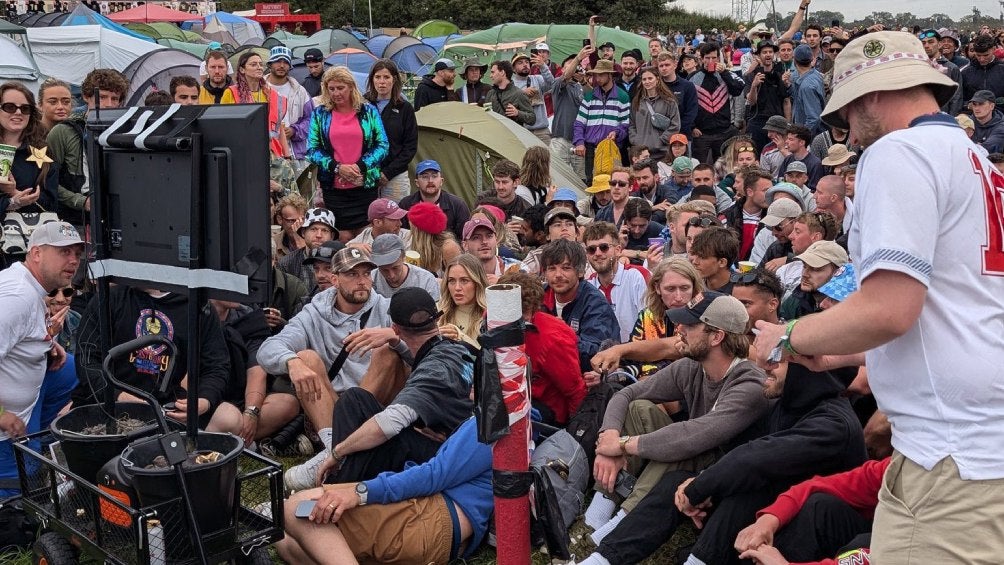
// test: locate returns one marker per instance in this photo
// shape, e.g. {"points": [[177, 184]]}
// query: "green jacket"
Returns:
{"points": [[66, 147], [500, 98]]}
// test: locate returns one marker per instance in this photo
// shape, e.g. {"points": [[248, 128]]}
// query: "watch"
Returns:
{"points": [[623, 443], [363, 493], [253, 411]]}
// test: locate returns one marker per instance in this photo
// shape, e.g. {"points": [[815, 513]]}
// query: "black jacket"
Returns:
{"points": [[456, 210], [811, 430], [428, 92], [777, 249], [978, 77], [402, 132], [135, 313]]}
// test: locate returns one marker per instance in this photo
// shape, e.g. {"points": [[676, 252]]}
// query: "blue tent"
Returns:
{"points": [[82, 16], [412, 58], [438, 42], [244, 30], [378, 43]]}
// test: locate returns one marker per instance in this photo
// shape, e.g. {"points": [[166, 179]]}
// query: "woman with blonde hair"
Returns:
{"points": [[436, 246], [348, 143], [653, 343], [462, 300]]}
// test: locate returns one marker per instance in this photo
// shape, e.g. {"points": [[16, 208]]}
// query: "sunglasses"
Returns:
{"points": [[928, 34], [836, 50], [745, 278], [618, 183], [781, 226], [603, 247], [66, 292], [745, 149], [12, 108], [321, 253], [699, 221]]}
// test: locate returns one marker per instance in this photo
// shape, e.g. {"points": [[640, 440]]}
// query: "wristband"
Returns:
{"points": [[786, 338], [2, 410]]}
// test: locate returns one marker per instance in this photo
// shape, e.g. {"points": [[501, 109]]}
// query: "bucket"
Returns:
{"points": [[85, 455], [211, 486]]}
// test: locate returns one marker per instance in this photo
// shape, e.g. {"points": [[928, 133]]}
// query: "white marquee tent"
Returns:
{"points": [[70, 52]]}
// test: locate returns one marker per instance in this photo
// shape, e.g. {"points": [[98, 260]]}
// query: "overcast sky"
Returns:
{"points": [[855, 9]]}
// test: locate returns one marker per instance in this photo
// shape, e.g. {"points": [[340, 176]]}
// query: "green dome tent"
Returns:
{"points": [[435, 28], [564, 40], [467, 141]]}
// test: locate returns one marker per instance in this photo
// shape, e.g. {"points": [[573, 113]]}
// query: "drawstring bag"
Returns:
{"points": [[606, 157]]}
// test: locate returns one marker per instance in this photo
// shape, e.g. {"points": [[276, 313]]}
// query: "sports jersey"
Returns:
{"points": [[940, 222]]}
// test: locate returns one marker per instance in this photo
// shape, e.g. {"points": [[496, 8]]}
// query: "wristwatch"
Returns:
{"points": [[623, 443], [253, 411], [363, 493]]}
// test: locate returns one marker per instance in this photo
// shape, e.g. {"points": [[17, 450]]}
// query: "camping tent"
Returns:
{"points": [[16, 64], [331, 40], [155, 70], [467, 141], [439, 42], [243, 30], [84, 16], [51, 19], [197, 49], [261, 51], [150, 12], [355, 59], [69, 53], [214, 30], [564, 40], [378, 43], [435, 28], [18, 34], [159, 30], [409, 53]]}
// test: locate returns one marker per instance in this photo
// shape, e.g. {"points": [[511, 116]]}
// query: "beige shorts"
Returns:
{"points": [[415, 531]]}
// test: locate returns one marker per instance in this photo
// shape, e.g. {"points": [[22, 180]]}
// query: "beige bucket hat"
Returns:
{"points": [[879, 62]]}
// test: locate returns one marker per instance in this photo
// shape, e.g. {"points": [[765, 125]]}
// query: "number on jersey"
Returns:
{"points": [[993, 193]]}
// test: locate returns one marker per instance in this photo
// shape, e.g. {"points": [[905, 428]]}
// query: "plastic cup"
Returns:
{"points": [[412, 257], [6, 159], [746, 266], [276, 230]]}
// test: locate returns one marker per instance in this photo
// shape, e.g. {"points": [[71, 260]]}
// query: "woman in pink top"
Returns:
{"points": [[347, 141]]}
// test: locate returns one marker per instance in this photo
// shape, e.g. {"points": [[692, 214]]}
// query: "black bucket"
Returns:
{"points": [[211, 486], [85, 455]]}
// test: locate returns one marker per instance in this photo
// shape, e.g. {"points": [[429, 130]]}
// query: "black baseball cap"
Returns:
{"points": [[313, 55], [413, 308], [324, 253]]}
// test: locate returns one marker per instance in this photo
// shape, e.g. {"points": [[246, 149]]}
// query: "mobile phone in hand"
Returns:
{"points": [[304, 508]]}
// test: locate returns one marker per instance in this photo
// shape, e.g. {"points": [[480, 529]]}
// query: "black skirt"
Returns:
{"points": [[350, 205]]}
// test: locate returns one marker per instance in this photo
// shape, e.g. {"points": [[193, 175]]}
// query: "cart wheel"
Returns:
{"points": [[258, 556], [53, 549]]}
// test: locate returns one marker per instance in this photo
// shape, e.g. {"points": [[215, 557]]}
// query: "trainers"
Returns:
{"points": [[303, 445], [303, 476]]}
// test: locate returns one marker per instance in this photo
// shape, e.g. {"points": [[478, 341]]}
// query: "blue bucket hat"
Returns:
{"points": [[564, 195], [842, 284]]}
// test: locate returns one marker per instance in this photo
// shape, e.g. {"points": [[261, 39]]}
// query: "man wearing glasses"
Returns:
{"points": [[779, 220], [430, 189], [931, 40], [620, 191]]}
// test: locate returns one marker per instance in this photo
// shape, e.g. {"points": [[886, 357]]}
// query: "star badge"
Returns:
{"points": [[39, 156]]}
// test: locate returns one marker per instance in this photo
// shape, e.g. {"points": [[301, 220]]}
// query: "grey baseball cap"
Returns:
{"points": [[387, 248]]}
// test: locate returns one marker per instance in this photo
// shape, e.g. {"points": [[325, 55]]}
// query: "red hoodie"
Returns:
{"points": [[554, 355]]}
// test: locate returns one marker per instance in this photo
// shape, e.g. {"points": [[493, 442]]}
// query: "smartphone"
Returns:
{"points": [[304, 508], [835, 23], [585, 42], [534, 51]]}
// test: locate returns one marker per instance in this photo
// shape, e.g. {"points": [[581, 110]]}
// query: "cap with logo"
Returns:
{"points": [[280, 53], [678, 138], [387, 249], [781, 210], [475, 223], [882, 61], [558, 212], [313, 55], [413, 308], [350, 258], [318, 216], [443, 65], [822, 253], [323, 254], [385, 208], [427, 165], [714, 309], [56, 234]]}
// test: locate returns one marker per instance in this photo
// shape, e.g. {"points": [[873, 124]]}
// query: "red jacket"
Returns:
{"points": [[858, 487], [554, 355]]}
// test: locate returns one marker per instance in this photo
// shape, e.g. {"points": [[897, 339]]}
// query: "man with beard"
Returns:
{"points": [[744, 218], [534, 86], [318, 227], [217, 80], [481, 241], [303, 355], [574, 300], [630, 61], [296, 120], [505, 98], [931, 40], [603, 114], [623, 287], [766, 94], [438, 85], [430, 189], [646, 173], [820, 261], [720, 388], [806, 230], [314, 59]]}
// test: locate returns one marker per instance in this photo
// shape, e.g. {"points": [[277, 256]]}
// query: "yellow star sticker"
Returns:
{"points": [[39, 156]]}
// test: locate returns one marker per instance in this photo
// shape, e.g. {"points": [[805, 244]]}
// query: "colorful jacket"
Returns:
{"points": [[375, 145], [601, 113]]}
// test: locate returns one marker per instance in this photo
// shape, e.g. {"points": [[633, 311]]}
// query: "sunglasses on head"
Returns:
{"points": [[66, 292], [927, 34], [603, 247], [11, 108], [321, 253], [701, 221], [618, 183], [744, 278], [746, 148]]}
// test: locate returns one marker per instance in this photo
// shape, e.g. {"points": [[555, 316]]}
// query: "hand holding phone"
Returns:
{"points": [[304, 508]]}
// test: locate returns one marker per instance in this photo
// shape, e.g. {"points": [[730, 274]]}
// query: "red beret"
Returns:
{"points": [[427, 217]]}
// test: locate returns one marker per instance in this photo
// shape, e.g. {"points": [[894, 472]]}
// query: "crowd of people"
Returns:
{"points": [[784, 273]]}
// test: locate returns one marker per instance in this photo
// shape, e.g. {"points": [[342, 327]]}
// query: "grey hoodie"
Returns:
{"points": [[321, 328]]}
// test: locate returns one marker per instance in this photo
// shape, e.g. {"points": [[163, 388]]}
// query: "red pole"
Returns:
{"points": [[511, 452]]}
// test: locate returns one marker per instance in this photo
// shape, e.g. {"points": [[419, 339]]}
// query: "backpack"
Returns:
{"points": [[560, 473], [584, 426]]}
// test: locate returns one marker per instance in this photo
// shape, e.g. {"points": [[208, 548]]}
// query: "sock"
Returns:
{"points": [[594, 559], [599, 511], [693, 561], [325, 435], [605, 529]]}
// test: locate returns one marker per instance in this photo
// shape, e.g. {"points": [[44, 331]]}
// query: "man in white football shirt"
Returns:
{"points": [[928, 244]]}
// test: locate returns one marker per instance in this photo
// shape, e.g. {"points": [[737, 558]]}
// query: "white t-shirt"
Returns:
{"points": [[24, 341], [930, 206], [627, 297]]}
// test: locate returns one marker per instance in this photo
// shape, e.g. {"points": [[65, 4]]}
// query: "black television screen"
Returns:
{"points": [[213, 157]]}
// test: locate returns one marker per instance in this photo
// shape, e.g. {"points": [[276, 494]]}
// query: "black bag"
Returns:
{"points": [[17, 529], [585, 424]]}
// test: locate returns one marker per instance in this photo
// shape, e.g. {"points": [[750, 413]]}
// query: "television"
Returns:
{"points": [[158, 171]]}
